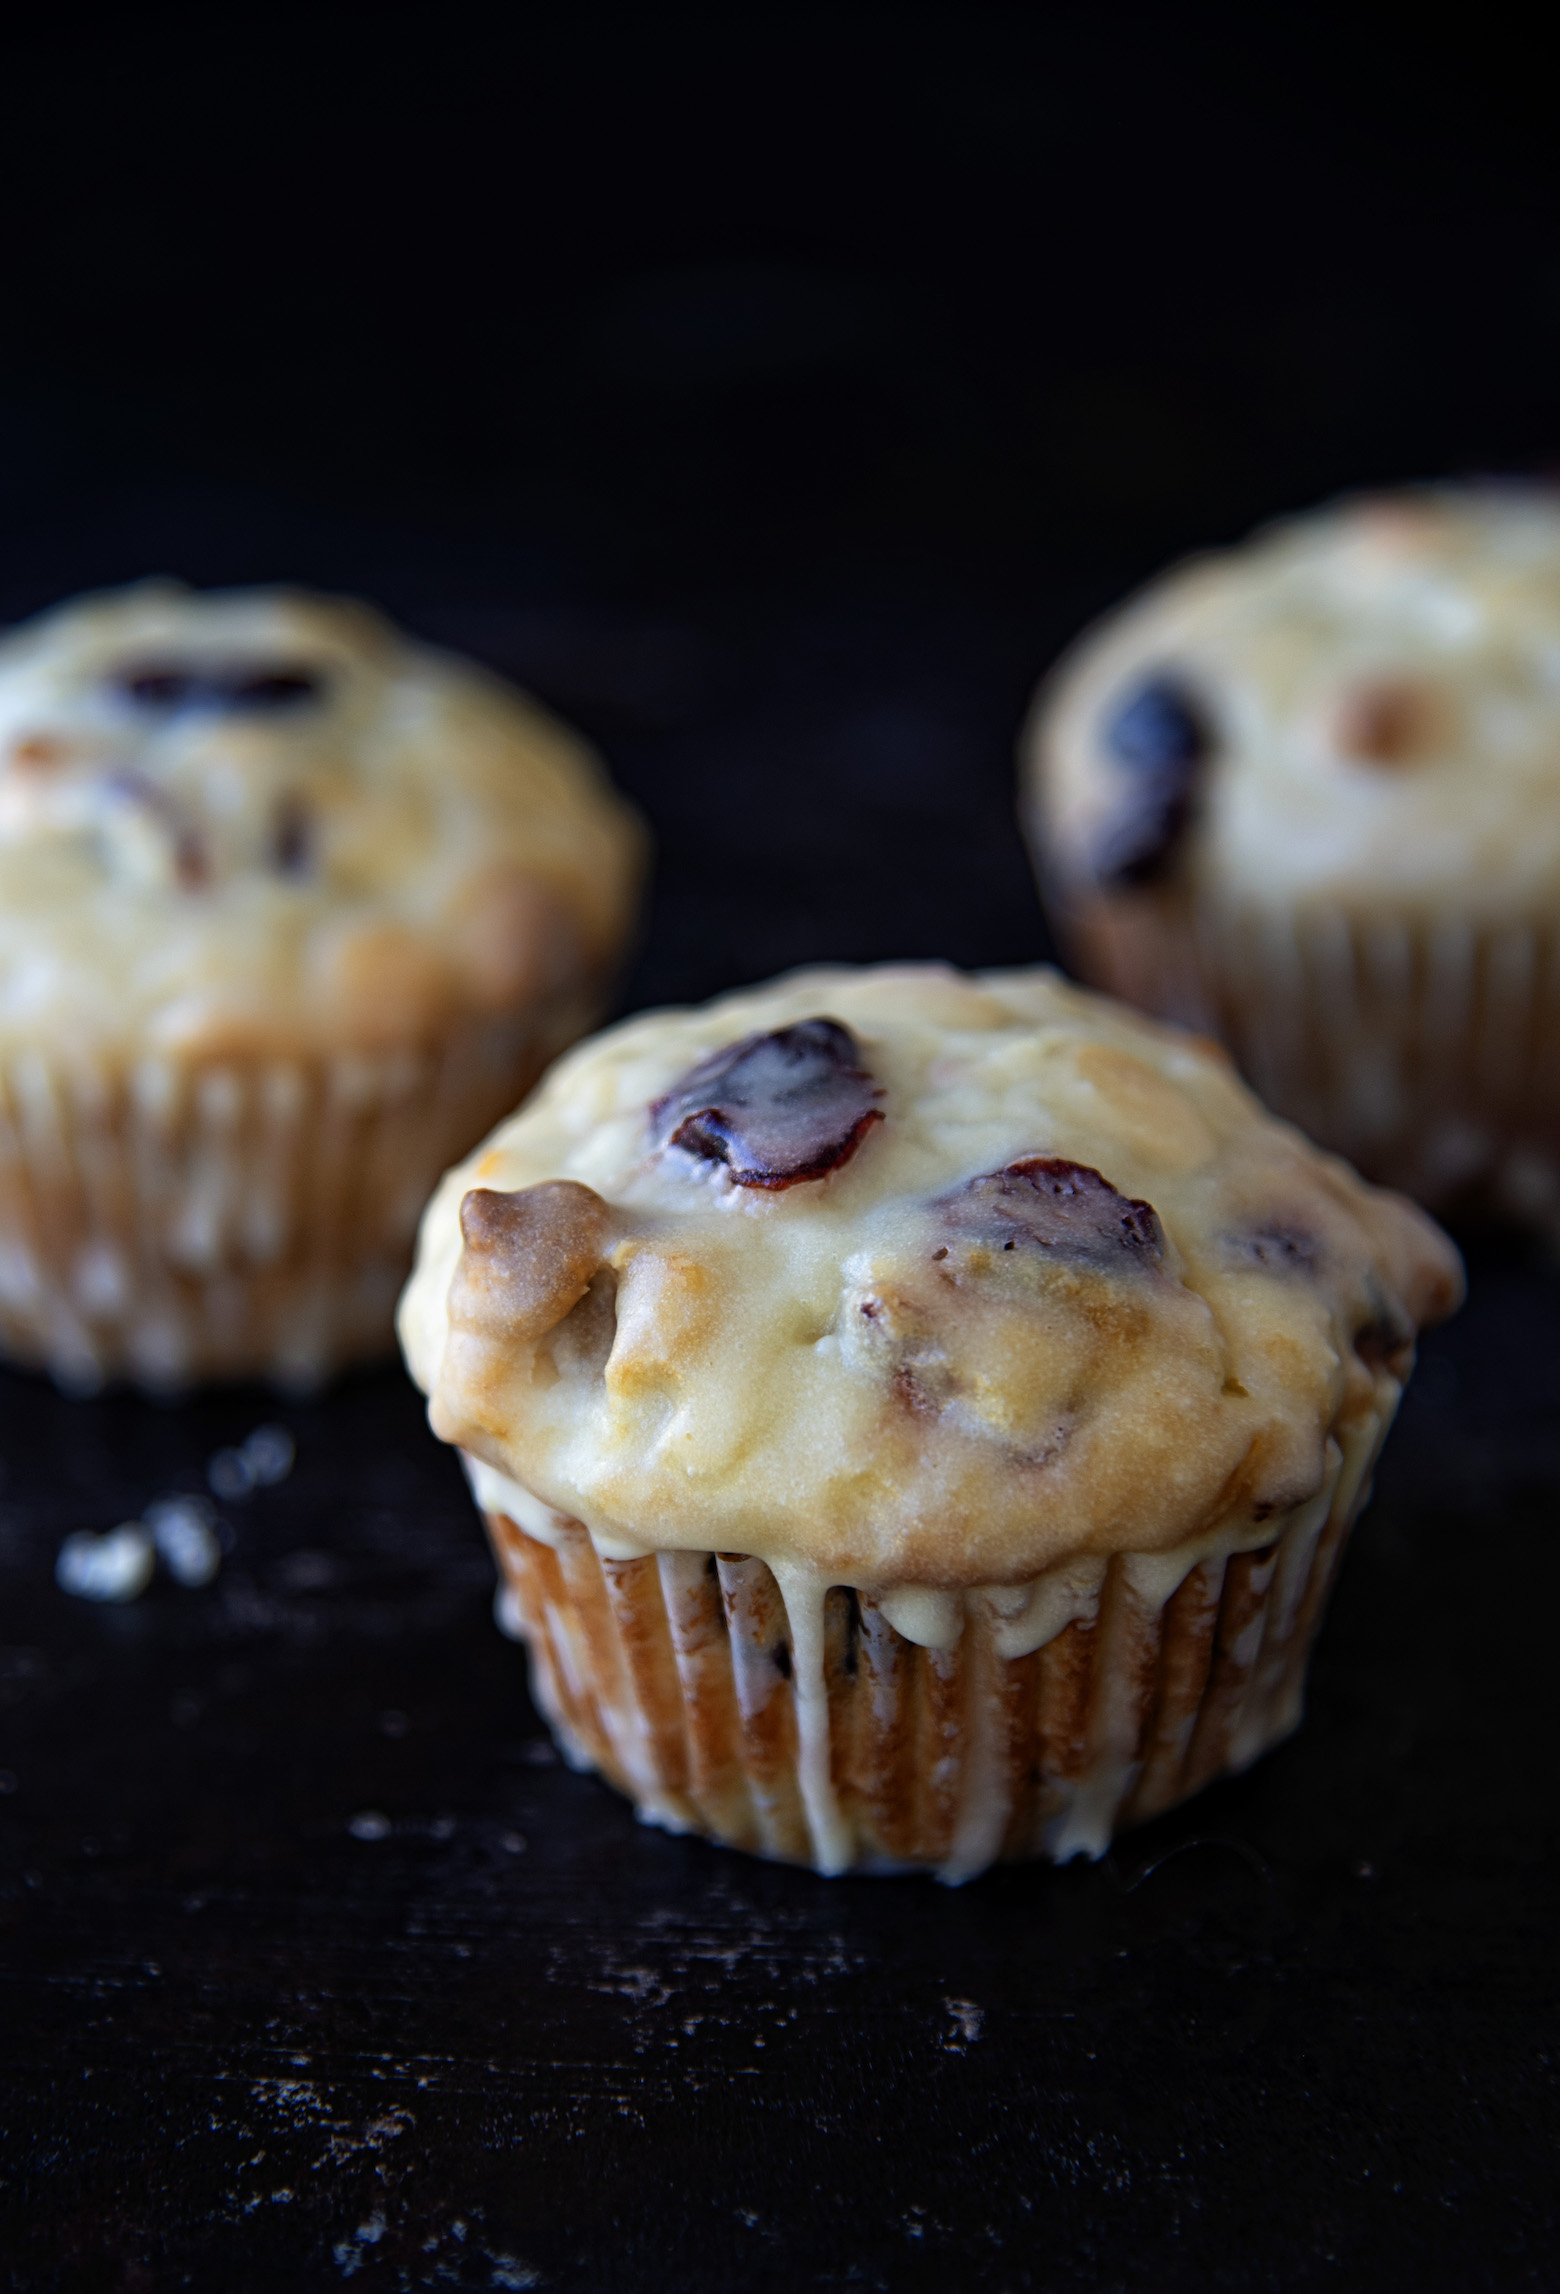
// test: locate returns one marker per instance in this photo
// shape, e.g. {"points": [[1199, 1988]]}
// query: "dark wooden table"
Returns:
{"points": [[317, 1967], [774, 391]]}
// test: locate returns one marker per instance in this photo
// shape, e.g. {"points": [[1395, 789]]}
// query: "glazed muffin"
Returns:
{"points": [[290, 911], [917, 1417], [1306, 794]]}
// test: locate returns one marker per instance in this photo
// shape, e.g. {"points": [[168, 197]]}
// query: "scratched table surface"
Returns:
{"points": [[317, 1967]]}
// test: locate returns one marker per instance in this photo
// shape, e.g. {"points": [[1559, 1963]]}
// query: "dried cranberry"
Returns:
{"points": [[158, 688], [1161, 738], [292, 843], [191, 861], [1157, 728], [775, 1109], [1279, 1249], [271, 688], [1386, 1339], [264, 685], [1046, 1203]]}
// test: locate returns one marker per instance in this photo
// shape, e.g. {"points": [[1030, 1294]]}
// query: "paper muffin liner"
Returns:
{"points": [[798, 1721], [1427, 1051], [177, 1221]]}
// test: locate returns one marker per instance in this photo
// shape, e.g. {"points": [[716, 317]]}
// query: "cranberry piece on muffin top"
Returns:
{"points": [[219, 685], [1045, 1202], [1159, 735], [775, 1109]]}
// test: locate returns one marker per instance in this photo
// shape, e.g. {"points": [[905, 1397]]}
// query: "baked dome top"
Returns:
{"points": [[912, 1278], [253, 817], [1361, 705]]}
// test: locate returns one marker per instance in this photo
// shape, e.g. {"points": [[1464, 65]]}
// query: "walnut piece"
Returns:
{"points": [[1390, 722], [528, 1258]]}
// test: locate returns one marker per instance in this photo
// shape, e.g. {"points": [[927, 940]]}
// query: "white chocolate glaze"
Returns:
{"points": [[1381, 686], [1136, 1718], [835, 1379], [395, 836]]}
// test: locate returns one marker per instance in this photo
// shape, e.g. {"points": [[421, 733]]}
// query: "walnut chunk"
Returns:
{"points": [[1388, 722], [38, 753], [527, 1260]]}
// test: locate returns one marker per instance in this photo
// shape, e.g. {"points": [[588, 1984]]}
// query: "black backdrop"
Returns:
{"points": [[773, 390]]}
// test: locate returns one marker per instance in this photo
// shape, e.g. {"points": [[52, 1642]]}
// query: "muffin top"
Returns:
{"points": [[913, 1279], [254, 820], [1361, 706]]}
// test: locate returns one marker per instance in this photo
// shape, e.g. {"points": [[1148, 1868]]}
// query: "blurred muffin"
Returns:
{"points": [[1306, 794], [917, 1417], [290, 911]]}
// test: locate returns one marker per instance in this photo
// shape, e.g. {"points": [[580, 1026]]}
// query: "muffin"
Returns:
{"points": [[1306, 795], [917, 1417], [290, 911]]}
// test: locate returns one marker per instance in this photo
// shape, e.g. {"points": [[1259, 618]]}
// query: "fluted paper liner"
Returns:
{"points": [[1426, 1050], [185, 1220], [795, 1720]]}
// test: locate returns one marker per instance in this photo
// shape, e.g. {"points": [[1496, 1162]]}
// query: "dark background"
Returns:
{"points": [[773, 390]]}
